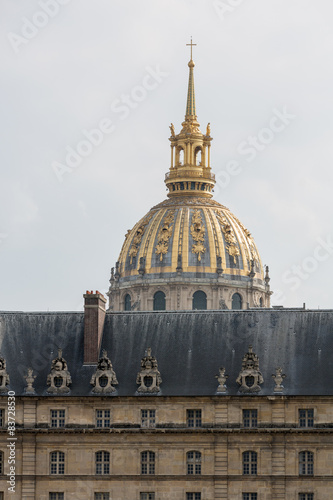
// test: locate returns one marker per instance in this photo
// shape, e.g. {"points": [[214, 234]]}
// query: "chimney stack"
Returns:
{"points": [[94, 317]]}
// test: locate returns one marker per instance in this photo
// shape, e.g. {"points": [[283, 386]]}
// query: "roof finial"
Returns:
{"points": [[191, 45], [190, 105]]}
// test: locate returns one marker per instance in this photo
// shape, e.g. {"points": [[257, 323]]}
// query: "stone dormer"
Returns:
{"points": [[149, 378], [59, 378], [250, 377], [4, 377], [104, 379]]}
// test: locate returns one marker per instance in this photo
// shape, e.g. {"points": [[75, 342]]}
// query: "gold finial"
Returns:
{"points": [[191, 45]]}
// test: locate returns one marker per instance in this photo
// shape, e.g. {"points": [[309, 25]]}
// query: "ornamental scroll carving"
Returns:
{"points": [[59, 378], [164, 235], [133, 251], [253, 250], [229, 237], [4, 377], [197, 230], [104, 378], [250, 377], [149, 378]]}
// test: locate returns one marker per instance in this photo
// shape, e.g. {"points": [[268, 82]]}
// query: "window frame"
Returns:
{"points": [[193, 495], [306, 463], [306, 496], [103, 418], [149, 495], [195, 418], [103, 493], [250, 426], [58, 463], [2, 418], [194, 463], [306, 418], [250, 465], [148, 466], [103, 463], [151, 421], [57, 495], [251, 495], [57, 418]]}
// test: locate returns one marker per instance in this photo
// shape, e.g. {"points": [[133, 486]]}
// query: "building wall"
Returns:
{"points": [[278, 439]]}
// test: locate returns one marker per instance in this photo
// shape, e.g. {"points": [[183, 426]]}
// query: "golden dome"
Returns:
{"points": [[189, 244], [191, 236]]}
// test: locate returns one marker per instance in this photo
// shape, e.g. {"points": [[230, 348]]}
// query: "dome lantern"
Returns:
{"points": [[190, 172]]}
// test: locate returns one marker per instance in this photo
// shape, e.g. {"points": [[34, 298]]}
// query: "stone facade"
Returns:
{"points": [[221, 437]]}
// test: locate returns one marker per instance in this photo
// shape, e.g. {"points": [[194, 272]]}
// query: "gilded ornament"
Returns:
{"points": [[198, 234], [164, 235], [229, 236], [133, 251]]}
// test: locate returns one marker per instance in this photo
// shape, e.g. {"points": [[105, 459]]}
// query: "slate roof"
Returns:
{"points": [[189, 346]]}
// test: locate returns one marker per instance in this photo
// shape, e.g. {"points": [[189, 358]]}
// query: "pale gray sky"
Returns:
{"points": [[67, 66]]}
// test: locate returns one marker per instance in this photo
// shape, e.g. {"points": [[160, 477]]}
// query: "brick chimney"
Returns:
{"points": [[94, 317]]}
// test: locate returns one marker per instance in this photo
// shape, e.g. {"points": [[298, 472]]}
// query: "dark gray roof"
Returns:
{"points": [[189, 346]]}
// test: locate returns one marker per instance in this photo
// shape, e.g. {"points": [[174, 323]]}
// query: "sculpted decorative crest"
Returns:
{"points": [[104, 378], [249, 377], [59, 378], [149, 378]]}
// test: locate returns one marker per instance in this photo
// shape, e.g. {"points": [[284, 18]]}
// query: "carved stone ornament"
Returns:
{"points": [[278, 379], [149, 378], [104, 379], [29, 378], [249, 377], [59, 378], [197, 230], [221, 378], [4, 377]]}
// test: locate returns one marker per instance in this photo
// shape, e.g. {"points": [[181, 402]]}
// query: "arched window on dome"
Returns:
{"points": [[236, 301], [199, 300], [197, 156], [159, 301], [179, 156], [261, 302], [127, 302]]}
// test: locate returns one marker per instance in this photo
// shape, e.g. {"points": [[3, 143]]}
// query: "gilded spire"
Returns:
{"points": [[190, 172], [190, 105]]}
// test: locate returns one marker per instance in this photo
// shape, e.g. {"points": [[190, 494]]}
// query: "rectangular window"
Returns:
{"points": [[102, 418], [54, 496], [250, 418], [193, 418], [2, 420], [147, 496], [306, 417], [193, 496], [57, 418], [305, 496], [148, 418], [102, 496], [250, 496]]}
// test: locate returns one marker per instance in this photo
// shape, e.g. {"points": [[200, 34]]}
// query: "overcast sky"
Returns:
{"points": [[263, 79]]}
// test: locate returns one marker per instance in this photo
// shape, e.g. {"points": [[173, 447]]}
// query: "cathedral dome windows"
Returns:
{"points": [[237, 302]]}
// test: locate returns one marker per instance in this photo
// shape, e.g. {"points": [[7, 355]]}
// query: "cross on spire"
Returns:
{"points": [[191, 45]]}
